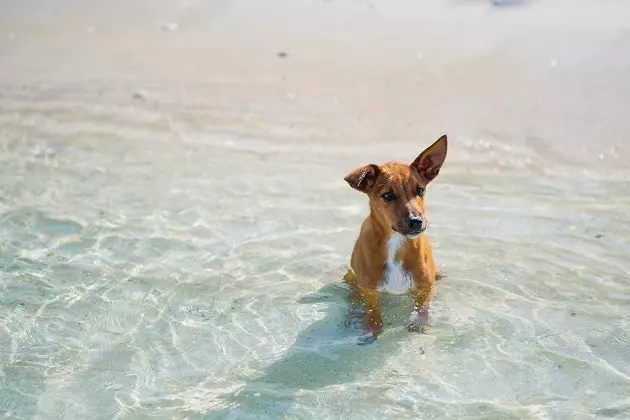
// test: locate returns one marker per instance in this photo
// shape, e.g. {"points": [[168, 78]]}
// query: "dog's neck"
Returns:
{"points": [[395, 241]]}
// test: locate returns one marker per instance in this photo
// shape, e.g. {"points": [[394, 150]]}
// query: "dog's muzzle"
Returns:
{"points": [[415, 226]]}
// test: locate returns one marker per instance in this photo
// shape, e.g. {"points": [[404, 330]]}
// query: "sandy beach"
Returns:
{"points": [[550, 75]]}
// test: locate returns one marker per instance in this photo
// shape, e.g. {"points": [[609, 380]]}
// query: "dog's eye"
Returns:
{"points": [[420, 191], [388, 196]]}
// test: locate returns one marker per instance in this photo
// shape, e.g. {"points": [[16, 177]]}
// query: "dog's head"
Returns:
{"points": [[396, 190]]}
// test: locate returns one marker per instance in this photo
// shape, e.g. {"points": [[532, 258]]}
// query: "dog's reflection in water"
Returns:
{"points": [[324, 354]]}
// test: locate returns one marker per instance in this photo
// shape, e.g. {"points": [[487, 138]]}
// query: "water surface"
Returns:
{"points": [[172, 246]]}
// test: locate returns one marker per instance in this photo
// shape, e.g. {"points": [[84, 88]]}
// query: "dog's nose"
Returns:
{"points": [[414, 223]]}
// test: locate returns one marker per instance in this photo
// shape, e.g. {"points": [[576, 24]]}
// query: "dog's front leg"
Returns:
{"points": [[419, 319], [373, 323]]}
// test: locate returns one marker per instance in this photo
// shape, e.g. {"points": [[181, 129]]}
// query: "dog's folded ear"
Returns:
{"points": [[429, 162], [362, 179]]}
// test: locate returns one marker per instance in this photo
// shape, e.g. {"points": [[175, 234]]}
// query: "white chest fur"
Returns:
{"points": [[396, 279]]}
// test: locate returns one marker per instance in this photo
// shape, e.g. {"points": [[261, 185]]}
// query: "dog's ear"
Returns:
{"points": [[429, 162], [362, 179]]}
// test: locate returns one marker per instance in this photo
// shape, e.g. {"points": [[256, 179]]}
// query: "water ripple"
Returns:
{"points": [[174, 258]]}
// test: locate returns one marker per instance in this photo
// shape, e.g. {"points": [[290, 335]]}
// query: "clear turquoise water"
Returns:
{"points": [[153, 269], [174, 223]]}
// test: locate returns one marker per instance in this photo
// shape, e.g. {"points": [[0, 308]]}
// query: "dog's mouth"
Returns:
{"points": [[410, 234]]}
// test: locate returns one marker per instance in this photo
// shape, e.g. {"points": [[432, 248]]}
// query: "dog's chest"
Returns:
{"points": [[396, 279]]}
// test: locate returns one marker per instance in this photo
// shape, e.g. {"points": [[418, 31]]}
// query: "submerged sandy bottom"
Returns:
{"points": [[174, 222]]}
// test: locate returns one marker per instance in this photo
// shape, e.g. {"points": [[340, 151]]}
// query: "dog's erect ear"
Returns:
{"points": [[429, 162], [362, 179]]}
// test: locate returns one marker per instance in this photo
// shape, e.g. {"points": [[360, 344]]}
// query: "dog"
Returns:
{"points": [[391, 253]]}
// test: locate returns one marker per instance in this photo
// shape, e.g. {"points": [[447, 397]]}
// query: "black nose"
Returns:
{"points": [[414, 223]]}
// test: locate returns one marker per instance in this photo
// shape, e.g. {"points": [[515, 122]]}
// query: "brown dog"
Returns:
{"points": [[391, 253]]}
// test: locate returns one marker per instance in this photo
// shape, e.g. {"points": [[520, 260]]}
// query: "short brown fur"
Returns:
{"points": [[389, 217]]}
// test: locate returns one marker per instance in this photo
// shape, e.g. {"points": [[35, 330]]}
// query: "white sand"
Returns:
{"points": [[550, 76]]}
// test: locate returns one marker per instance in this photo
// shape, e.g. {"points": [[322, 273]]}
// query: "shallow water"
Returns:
{"points": [[172, 247], [199, 276]]}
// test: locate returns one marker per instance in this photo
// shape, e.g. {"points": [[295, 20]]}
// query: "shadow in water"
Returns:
{"points": [[324, 354]]}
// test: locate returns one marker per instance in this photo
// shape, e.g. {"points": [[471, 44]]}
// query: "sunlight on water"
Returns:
{"points": [[177, 253], [197, 277]]}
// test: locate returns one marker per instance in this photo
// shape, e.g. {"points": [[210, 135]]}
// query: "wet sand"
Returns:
{"points": [[550, 77]]}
